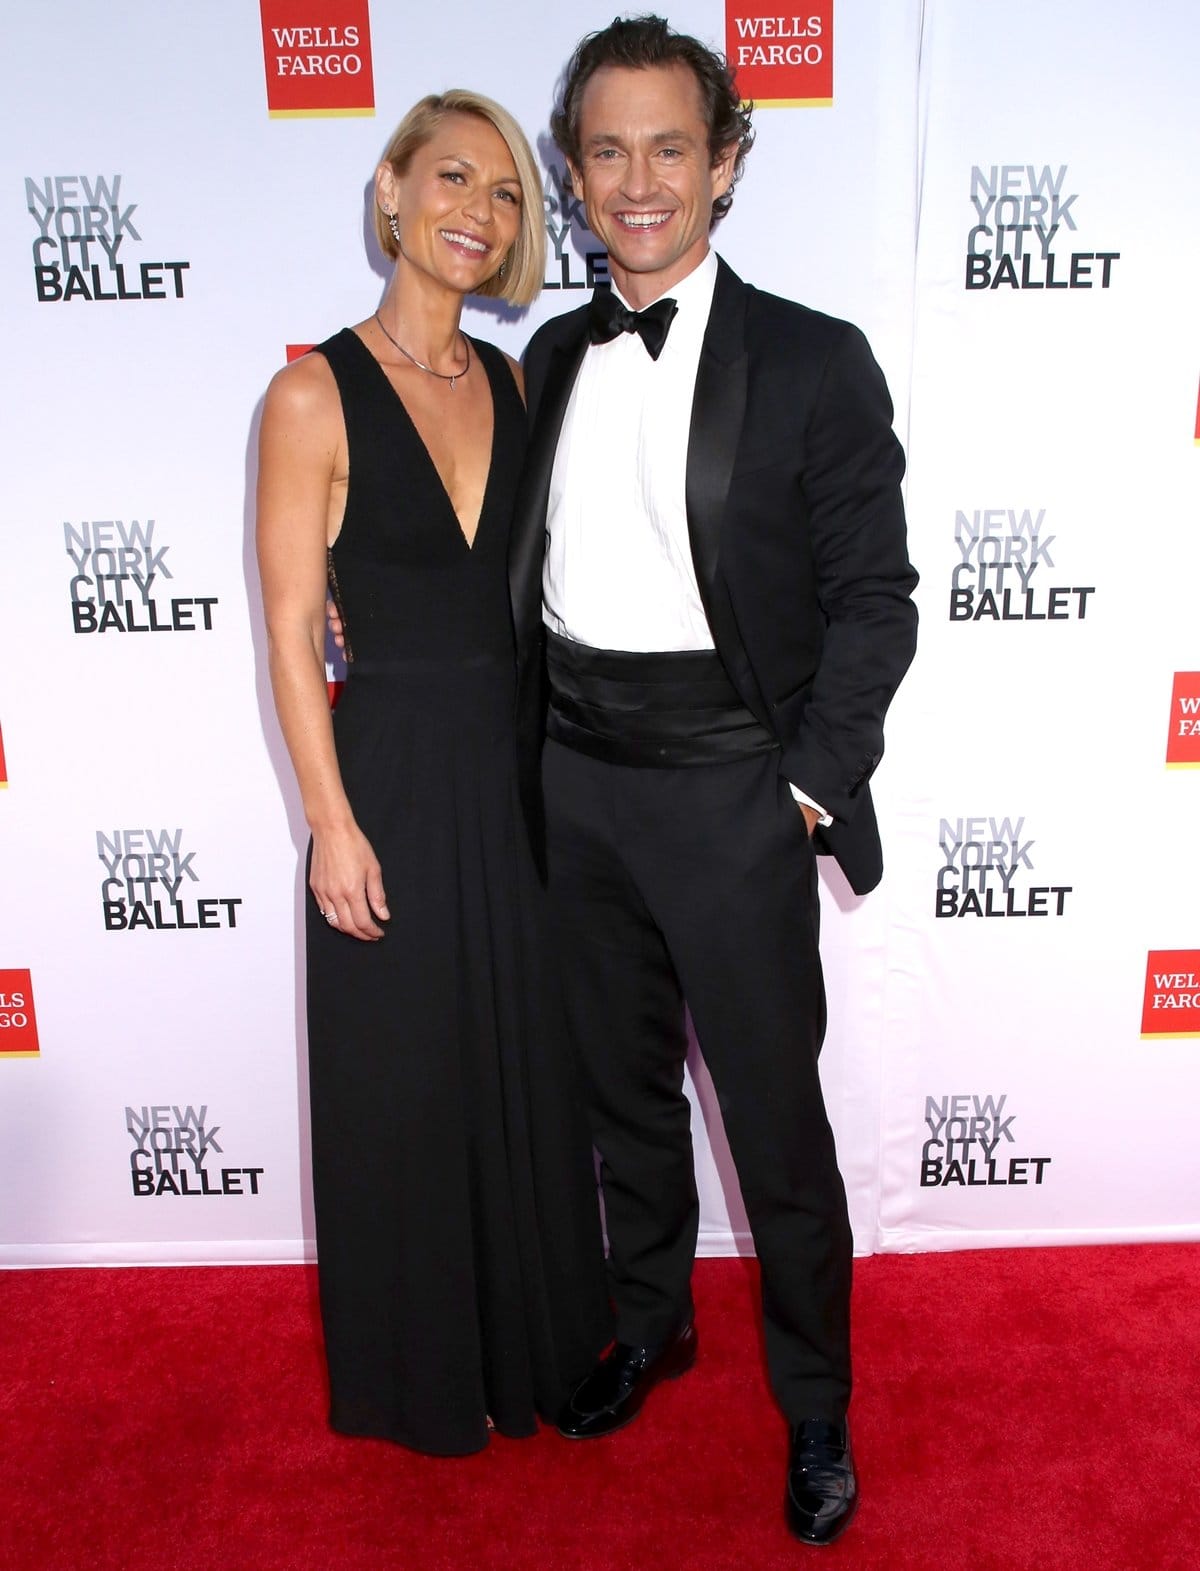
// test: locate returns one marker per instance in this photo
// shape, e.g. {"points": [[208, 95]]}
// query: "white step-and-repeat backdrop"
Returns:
{"points": [[1004, 199]]}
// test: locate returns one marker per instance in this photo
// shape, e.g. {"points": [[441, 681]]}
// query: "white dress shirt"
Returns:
{"points": [[618, 571]]}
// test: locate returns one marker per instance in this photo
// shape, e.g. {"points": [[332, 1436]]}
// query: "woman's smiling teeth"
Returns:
{"points": [[456, 237]]}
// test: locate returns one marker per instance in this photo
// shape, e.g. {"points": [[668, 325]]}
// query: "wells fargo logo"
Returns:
{"points": [[18, 1023], [1171, 1005], [781, 62], [317, 55], [3, 765], [1183, 738]]}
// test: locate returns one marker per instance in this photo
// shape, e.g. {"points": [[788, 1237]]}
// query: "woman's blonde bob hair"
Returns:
{"points": [[526, 261]]}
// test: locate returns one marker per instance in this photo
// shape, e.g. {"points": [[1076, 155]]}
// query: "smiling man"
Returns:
{"points": [[710, 543]]}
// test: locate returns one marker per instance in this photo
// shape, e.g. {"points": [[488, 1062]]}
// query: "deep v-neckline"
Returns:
{"points": [[470, 543]]}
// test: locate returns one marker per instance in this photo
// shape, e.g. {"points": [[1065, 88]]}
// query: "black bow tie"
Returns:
{"points": [[607, 317]]}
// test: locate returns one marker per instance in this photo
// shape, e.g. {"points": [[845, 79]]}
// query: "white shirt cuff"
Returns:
{"points": [[823, 818]]}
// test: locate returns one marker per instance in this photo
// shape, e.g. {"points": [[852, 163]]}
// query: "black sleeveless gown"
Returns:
{"points": [[457, 1225]]}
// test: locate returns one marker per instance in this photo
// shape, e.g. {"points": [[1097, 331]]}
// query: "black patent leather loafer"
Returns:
{"points": [[822, 1491], [615, 1391]]}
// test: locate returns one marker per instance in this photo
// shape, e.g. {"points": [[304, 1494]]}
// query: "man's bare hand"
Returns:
{"points": [[335, 624]]}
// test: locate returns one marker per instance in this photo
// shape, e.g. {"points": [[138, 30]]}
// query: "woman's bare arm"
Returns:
{"points": [[301, 450]]}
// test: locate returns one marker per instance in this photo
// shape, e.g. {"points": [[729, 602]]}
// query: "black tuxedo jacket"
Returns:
{"points": [[798, 538]]}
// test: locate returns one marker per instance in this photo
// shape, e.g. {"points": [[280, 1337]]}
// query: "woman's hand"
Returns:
{"points": [[347, 881]]}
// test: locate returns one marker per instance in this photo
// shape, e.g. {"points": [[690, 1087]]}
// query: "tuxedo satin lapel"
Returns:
{"points": [[527, 547], [718, 412]]}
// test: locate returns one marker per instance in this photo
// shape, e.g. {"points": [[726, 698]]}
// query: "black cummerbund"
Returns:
{"points": [[658, 710]]}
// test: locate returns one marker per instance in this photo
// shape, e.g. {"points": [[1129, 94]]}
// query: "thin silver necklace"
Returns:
{"points": [[420, 364]]}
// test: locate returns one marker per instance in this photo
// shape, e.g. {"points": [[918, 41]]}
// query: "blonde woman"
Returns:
{"points": [[458, 1239]]}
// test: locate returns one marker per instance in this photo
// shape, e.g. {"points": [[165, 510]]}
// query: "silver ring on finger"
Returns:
{"points": [[331, 917]]}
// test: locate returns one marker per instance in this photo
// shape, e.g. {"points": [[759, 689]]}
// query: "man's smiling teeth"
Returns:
{"points": [[644, 220], [455, 238]]}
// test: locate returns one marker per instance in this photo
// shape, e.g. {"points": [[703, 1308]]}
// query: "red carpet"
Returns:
{"points": [[1025, 1409]]}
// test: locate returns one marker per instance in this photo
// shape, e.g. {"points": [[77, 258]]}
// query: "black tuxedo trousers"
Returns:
{"points": [[700, 883]]}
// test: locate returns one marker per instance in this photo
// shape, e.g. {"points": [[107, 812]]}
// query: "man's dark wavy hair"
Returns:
{"points": [[637, 43]]}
